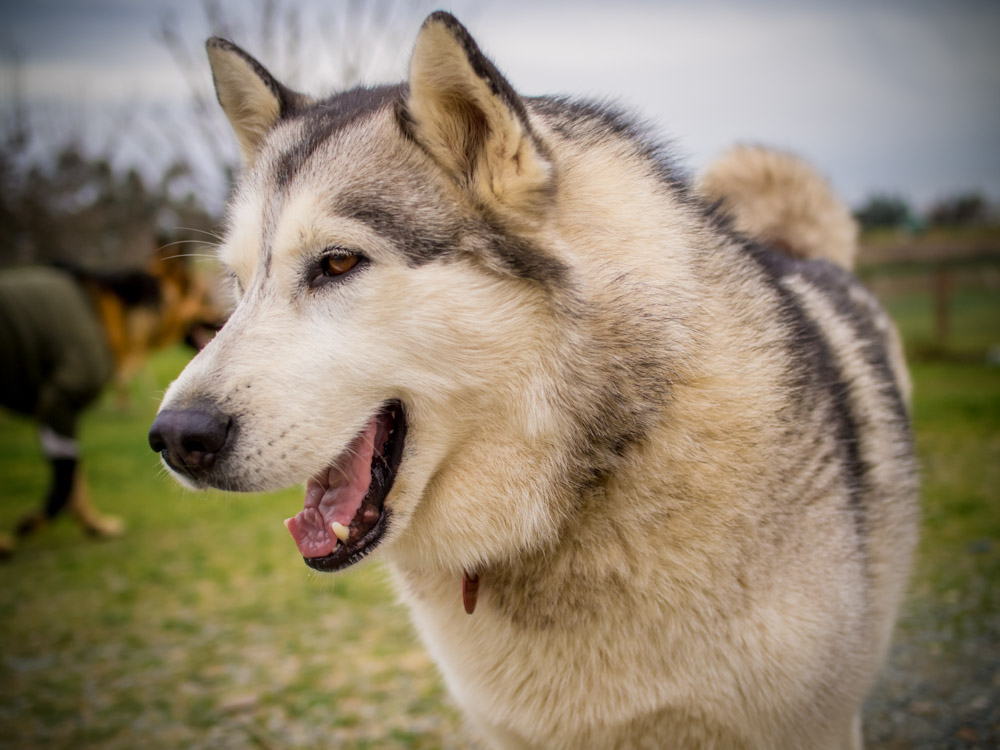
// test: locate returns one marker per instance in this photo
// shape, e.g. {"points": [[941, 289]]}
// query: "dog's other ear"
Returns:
{"points": [[251, 97], [465, 114]]}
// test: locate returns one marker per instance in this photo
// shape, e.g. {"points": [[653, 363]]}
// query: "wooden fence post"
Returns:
{"points": [[942, 292]]}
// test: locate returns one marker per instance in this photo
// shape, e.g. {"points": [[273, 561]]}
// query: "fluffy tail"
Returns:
{"points": [[780, 200]]}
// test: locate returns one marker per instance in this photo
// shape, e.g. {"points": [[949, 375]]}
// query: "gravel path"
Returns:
{"points": [[941, 687]]}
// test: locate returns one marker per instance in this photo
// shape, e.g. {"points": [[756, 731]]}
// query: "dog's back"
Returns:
{"points": [[803, 239]]}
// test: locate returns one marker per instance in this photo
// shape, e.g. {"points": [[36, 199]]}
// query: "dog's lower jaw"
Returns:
{"points": [[342, 557]]}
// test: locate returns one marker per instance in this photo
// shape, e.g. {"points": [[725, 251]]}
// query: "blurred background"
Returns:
{"points": [[198, 626]]}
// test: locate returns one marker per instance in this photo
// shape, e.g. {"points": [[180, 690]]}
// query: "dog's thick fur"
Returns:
{"points": [[677, 459]]}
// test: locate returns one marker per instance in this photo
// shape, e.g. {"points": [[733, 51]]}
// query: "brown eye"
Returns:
{"points": [[335, 265]]}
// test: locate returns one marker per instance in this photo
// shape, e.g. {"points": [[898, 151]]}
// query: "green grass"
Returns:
{"points": [[201, 628], [957, 424], [956, 418]]}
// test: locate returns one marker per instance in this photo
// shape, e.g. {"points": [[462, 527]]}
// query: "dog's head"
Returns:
{"points": [[392, 338]]}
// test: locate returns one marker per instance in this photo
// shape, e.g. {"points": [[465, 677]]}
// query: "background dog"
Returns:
{"points": [[67, 332], [666, 465]]}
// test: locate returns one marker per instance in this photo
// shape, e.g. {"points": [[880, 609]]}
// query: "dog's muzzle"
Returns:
{"points": [[190, 440]]}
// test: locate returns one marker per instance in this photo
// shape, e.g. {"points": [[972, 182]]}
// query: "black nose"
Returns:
{"points": [[189, 439]]}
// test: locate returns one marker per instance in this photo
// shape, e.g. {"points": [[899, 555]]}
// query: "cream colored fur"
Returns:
{"points": [[704, 589], [781, 200]]}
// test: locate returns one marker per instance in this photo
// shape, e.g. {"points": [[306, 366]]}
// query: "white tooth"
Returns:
{"points": [[340, 531]]}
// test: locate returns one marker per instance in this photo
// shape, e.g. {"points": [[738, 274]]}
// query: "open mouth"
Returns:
{"points": [[344, 517]]}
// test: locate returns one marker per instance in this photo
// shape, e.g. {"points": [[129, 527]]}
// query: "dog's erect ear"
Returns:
{"points": [[251, 97], [465, 114]]}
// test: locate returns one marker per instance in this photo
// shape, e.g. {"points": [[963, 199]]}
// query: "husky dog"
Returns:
{"points": [[655, 437]]}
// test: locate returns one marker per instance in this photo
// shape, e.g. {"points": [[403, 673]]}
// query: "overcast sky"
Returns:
{"points": [[900, 96]]}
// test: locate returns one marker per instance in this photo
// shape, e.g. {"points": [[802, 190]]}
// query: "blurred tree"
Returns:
{"points": [[345, 44], [884, 212], [63, 198], [960, 210], [74, 207], [60, 201]]}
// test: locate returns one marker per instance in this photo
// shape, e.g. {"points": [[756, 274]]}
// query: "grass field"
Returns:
{"points": [[201, 627]]}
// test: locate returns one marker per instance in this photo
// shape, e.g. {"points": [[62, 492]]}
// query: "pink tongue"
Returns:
{"points": [[334, 495]]}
